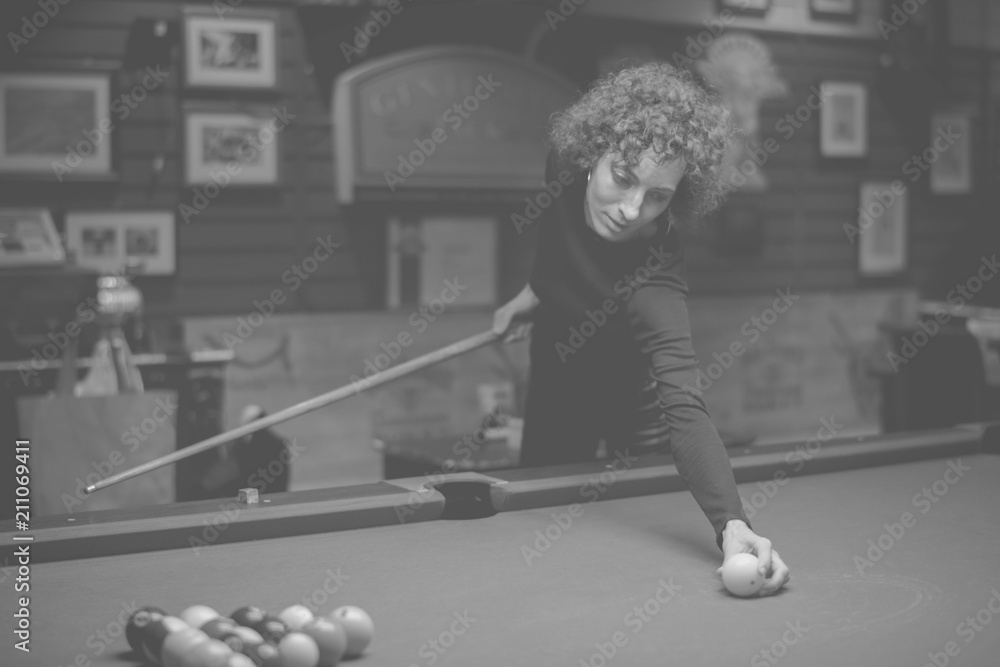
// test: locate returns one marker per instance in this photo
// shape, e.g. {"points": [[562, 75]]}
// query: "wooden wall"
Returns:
{"points": [[239, 247]]}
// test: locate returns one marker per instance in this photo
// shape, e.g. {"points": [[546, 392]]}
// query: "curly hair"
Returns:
{"points": [[652, 106]]}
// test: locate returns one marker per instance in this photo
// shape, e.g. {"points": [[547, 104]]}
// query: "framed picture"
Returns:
{"points": [[883, 224], [745, 6], [951, 138], [28, 238], [843, 119], [55, 125], [243, 144], [238, 49], [834, 8], [143, 241]]}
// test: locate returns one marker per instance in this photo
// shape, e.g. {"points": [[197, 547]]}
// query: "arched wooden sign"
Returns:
{"points": [[451, 118]]}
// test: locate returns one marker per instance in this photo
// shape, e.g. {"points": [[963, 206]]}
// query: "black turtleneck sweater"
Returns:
{"points": [[642, 283]]}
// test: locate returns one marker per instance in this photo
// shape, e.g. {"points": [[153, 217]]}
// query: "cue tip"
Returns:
{"points": [[90, 489]]}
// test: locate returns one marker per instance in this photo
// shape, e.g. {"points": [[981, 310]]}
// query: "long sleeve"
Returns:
{"points": [[659, 321]]}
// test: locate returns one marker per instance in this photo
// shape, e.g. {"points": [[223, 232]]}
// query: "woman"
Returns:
{"points": [[640, 156]]}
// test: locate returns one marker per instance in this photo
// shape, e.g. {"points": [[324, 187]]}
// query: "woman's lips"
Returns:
{"points": [[615, 227]]}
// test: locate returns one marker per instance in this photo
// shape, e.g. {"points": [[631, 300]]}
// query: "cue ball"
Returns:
{"points": [[298, 649], [330, 637], [359, 627], [740, 575], [198, 615], [156, 633], [138, 622], [296, 616]]}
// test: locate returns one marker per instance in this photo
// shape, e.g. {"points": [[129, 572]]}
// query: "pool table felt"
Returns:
{"points": [[413, 578]]}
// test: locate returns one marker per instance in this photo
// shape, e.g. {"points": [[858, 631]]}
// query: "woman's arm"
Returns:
{"points": [[659, 320]]}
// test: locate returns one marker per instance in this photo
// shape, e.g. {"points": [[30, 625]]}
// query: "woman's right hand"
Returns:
{"points": [[511, 320]]}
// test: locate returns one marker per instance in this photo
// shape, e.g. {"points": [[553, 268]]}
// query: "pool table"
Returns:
{"points": [[893, 542]]}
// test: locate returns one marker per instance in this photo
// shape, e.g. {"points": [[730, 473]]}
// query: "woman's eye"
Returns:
{"points": [[619, 178]]}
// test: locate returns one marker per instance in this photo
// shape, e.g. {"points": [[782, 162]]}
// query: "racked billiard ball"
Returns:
{"points": [[263, 655], [296, 616], [298, 649], [239, 660], [156, 633], [248, 616], [330, 637], [179, 645], [211, 653], [197, 615], [219, 626], [359, 627], [138, 622], [271, 628]]}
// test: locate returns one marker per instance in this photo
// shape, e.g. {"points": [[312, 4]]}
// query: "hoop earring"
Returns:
{"points": [[589, 174]]}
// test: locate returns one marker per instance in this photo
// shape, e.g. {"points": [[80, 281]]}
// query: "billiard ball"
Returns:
{"points": [[263, 655], [219, 626], [137, 623], [740, 575], [298, 649], [296, 616], [178, 645], [249, 636], [330, 637], [197, 615], [239, 660], [271, 628], [248, 615], [156, 633], [359, 627], [212, 653]]}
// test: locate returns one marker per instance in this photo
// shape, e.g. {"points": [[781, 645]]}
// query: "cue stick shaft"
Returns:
{"points": [[380, 378]]}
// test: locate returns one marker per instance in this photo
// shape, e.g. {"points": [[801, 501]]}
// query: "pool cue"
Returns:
{"points": [[380, 378]]}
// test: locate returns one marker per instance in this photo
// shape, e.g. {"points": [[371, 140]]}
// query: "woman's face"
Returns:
{"points": [[622, 202]]}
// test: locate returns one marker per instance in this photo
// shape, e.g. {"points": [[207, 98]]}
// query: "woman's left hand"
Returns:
{"points": [[737, 538]]}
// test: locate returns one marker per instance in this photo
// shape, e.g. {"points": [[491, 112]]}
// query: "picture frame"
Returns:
{"points": [[754, 7], [843, 119], [237, 49], [28, 237], [239, 142], [951, 137], [844, 9], [144, 242], [41, 113], [882, 219]]}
